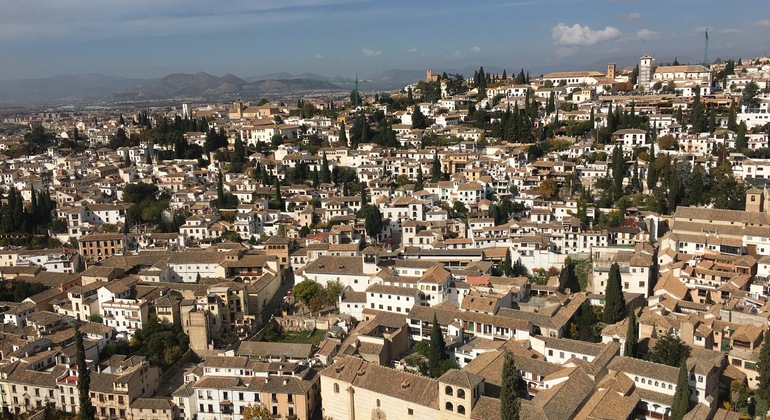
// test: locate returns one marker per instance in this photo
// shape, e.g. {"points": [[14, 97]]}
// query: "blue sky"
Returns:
{"points": [[144, 38]]}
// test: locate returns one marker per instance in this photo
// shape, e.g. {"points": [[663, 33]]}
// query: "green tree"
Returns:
{"points": [[418, 118], [763, 368], [140, 191], [614, 303], [326, 175], [220, 190], [239, 156], [316, 180], [256, 412], [436, 351], [739, 395], [510, 405], [362, 190], [507, 264], [343, 134], [631, 336], [567, 278], [86, 410], [435, 173], [418, 186], [681, 404], [120, 139], [332, 292], [749, 95], [306, 291], [669, 351], [741, 142], [586, 322], [372, 220], [698, 118], [618, 172]]}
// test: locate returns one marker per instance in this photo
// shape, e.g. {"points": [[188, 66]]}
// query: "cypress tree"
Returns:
{"points": [[277, 190], [652, 176], [364, 200], [586, 322], [731, 124], [419, 184], [509, 398], [618, 169], [315, 177], [614, 303], [435, 173], [326, 175], [507, 264], [741, 142], [763, 368], [681, 404], [631, 336], [343, 134], [220, 191], [436, 352], [87, 410]]}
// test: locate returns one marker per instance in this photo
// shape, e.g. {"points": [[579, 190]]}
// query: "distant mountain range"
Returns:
{"points": [[99, 88], [96, 88]]}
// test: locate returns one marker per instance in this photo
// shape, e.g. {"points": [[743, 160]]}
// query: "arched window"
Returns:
{"points": [[460, 409], [336, 388], [448, 390], [460, 394], [378, 403], [449, 406]]}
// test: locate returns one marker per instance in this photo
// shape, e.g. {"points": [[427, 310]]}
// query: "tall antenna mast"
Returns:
{"points": [[706, 51]]}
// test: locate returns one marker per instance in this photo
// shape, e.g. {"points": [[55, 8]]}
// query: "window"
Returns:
{"points": [[378, 403], [460, 394], [460, 409], [448, 390], [449, 406], [409, 412]]}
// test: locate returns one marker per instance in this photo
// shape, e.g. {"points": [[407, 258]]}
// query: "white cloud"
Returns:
{"points": [[455, 55], [371, 53], [647, 35], [476, 49], [633, 16], [731, 31], [319, 56], [762, 22], [578, 35], [412, 50]]}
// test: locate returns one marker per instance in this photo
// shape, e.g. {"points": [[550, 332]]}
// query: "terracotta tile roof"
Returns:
{"points": [[385, 381]]}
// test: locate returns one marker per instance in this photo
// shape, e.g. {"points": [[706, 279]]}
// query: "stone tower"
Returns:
{"points": [[646, 66], [755, 200], [611, 71]]}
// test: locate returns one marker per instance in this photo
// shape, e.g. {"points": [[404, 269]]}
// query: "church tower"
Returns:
{"points": [[646, 66], [755, 200]]}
